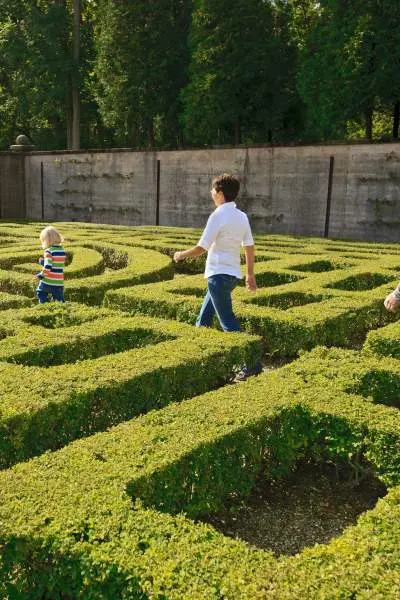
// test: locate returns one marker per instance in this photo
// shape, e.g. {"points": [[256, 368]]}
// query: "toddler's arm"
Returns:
{"points": [[47, 262]]}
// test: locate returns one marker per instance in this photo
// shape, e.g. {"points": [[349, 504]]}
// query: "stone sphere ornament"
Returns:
{"points": [[22, 144]]}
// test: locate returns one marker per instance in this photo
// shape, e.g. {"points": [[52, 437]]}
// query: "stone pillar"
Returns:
{"points": [[12, 180]]}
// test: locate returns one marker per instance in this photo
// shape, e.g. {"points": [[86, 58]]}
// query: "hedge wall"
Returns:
{"points": [[116, 513], [303, 302], [67, 371], [97, 518]]}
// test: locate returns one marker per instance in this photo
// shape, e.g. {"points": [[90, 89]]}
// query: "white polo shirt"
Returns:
{"points": [[227, 229]]}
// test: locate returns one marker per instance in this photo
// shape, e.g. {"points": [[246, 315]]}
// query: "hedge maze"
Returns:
{"points": [[120, 432]]}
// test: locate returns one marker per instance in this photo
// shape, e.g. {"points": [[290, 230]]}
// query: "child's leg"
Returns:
{"points": [[58, 293], [206, 313], [42, 296], [220, 289]]}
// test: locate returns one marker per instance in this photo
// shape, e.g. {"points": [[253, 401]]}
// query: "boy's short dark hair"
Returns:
{"points": [[228, 184]]}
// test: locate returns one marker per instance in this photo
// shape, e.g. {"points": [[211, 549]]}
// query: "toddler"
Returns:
{"points": [[51, 277]]}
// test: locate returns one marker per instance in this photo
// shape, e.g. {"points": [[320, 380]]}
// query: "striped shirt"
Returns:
{"points": [[53, 266]]}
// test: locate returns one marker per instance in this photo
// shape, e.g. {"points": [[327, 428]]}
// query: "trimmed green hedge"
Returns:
{"points": [[82, 522], [102, 518], [298, 309], [106, 369], [124, 267], [10, 301], [384, 342]]}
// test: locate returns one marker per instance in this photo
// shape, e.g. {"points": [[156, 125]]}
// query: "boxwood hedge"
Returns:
{"points": [[102, 518], [296, 308], [66, 372]]}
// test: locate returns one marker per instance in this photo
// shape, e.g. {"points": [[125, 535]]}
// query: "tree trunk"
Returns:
{"points": [[133, 132], [396, 120], [76, 142], [369, 116], [150, 134], [68, 101], [68, 116]]}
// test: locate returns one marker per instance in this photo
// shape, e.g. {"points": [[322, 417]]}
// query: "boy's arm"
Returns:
{"points": [[195, 251], [248, 244], [208, 237], [250, 278]]}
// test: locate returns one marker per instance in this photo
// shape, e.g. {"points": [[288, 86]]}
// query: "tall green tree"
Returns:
{"points": [[350, 65], [35, 68], [235, 72], [140, 67]]}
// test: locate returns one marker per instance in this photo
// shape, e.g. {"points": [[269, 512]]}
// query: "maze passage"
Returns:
{"points": [[106, 510], [90, 369], [119, 434], [297, 306]]}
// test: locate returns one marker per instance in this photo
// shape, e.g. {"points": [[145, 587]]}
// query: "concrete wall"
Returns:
{"points": [[12, 192], [283, 189], [98, 187]]}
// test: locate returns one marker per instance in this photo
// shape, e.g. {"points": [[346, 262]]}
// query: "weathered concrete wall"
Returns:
{"points": [[284, 189], [106, 187], [12, 190], [366, 193]]}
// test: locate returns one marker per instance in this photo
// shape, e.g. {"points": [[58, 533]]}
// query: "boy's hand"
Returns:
{"points": [[41, 260], [251, 283], [177, 256], [391, 303]]}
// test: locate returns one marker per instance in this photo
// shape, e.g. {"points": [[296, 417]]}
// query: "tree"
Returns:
{"points": [[35, 67], [75, 135], [350, 65], [232, 71], [140, 67]]}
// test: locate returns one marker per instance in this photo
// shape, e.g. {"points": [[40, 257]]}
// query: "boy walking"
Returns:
{"points": [[226, 231]]}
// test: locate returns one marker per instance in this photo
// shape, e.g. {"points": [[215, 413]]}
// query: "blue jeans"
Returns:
{"points": [[218, 300], [43, 292]]}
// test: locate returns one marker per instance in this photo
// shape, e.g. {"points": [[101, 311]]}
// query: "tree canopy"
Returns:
{"points": [[173, 73]]}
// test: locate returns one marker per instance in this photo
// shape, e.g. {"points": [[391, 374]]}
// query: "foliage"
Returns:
{"points": [[349, 66], [35, 69], [139, 68], [200, 72], [238, 72]]}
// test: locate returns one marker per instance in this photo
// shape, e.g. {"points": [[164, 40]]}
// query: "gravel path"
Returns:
{"points": [[310, 506]]}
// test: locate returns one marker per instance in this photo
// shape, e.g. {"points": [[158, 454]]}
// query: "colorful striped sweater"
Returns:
{"points": [[53, 266]]}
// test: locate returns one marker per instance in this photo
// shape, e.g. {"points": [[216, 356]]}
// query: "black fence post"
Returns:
{"points": [[42, 188], [158, 194], [329, 196]]}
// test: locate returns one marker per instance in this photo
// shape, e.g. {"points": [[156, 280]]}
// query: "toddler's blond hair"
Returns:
{"points": [[49, 236]]}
